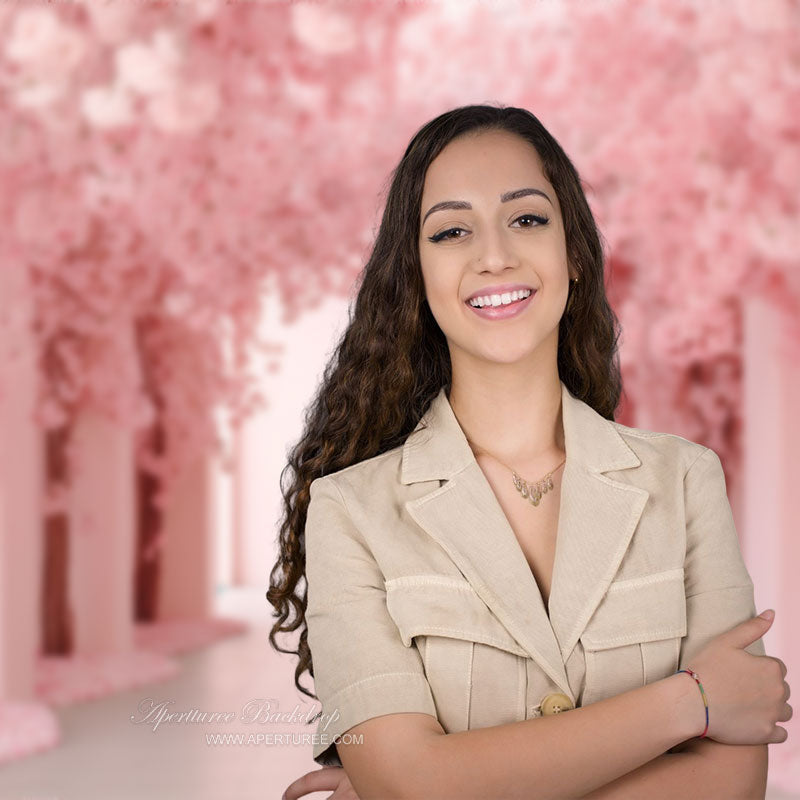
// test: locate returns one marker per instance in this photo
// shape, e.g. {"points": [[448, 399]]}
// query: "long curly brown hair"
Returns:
{"points": [[392, 359]]}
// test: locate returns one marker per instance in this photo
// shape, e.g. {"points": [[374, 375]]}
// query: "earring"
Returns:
{"points": [[573, 281]]}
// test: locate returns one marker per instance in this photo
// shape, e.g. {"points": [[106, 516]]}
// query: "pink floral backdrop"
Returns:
{"points": [[164, 165]]}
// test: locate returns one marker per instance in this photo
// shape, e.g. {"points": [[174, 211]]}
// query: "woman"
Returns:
{"points": [[483, 545]]}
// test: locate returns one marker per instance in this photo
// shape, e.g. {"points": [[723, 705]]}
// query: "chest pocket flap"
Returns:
{"points": [[637, 610], [438, 605]]}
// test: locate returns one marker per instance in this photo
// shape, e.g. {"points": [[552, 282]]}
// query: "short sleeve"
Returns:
{"points": [[719, 590], [362, 669]]}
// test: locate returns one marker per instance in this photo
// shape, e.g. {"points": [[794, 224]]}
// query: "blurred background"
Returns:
{"points": [[188, 192]]}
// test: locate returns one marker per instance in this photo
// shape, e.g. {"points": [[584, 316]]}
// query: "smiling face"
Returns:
{"points": [[491, 240]]}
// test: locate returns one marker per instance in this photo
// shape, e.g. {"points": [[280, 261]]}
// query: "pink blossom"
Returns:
{"points": [[149, 68], [185, 108], [322, 28], [107, 106]]}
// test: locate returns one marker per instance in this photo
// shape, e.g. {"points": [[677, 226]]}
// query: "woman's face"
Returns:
{"points": [[491, 245]]}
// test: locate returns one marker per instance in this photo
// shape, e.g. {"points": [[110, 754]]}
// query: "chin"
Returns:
{"points": [[504, 355]]}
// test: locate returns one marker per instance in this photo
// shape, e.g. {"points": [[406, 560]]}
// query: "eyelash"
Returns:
{"points": [[543, 220]]}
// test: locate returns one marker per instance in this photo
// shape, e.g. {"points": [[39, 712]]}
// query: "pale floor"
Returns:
{"points": [[104, 756]]}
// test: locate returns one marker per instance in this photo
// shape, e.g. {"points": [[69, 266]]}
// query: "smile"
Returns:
{"points": [[514, 304]]}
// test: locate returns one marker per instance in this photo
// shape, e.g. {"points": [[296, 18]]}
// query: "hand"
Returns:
{"points": [[321, 780], [747, 694]]}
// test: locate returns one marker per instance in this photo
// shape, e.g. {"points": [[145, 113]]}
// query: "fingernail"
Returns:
{"points": [[768, 614]]}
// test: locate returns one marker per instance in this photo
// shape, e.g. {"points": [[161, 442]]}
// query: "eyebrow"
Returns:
{"points": [[460, 205]]}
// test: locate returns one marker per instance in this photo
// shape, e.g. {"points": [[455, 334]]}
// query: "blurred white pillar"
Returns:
{"points": [[240, 499], [186, 579], [772, 469], [102, 535], [264, 440], [21, 489], [771, 546]]}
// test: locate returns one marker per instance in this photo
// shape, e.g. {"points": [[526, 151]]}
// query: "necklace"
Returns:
{"points": [[531, 491]]}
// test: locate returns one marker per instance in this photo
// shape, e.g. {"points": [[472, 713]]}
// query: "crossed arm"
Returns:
{"points": [[699, 769]]}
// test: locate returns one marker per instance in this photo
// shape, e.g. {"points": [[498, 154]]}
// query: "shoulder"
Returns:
{"points": [[375, 474], [660, 449], [366, 498]]}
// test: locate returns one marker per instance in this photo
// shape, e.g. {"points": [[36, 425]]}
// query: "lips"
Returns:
{"points": [[503, 311], [499, 289], [506, 298]]}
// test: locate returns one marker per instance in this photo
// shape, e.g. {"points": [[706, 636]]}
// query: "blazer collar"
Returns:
{"points": [[597, 517]]}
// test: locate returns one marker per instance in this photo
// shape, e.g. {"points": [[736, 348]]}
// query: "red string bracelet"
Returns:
{"points": [[694, 675]]}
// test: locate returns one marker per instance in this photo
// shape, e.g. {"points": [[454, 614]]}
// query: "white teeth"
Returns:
{"points": [[499, 299]]}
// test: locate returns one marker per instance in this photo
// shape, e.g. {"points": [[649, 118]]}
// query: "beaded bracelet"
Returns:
{"points": [[694, 675]]}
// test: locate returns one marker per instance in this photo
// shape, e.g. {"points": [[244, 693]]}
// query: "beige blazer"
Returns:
{"points": [[421, 599]]}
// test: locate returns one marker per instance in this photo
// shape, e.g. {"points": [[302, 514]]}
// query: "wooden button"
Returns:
{"points": [[556, 703]]}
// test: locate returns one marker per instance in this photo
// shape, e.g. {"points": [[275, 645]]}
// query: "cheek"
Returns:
{"points": [[443, 312], [442, 294]]}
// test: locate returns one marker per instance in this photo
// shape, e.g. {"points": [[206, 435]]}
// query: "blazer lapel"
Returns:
{"points": [[597, 518]]}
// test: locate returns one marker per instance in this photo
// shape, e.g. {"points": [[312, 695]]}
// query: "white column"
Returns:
{"points": [[771, 546], [771, 472], [186, 579], [21, 490], [102, 529]]}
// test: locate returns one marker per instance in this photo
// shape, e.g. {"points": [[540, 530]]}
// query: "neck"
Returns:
{"points": [[517, 422]]}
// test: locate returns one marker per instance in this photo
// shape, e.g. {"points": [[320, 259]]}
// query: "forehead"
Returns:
{"points": [[488, 163]]}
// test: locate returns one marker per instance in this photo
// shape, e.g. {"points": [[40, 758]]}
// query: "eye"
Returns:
{"points": [[443, 235], [540, 218]]}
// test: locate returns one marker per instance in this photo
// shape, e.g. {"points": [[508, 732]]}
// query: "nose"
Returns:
{"points": [[495, 253]]}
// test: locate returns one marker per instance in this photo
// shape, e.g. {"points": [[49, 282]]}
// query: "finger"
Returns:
{"points": [[779, 735], [747, 632], [319, 780], [781, 666]]}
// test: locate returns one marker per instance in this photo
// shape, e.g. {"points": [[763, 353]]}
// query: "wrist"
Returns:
{"points": [[688, 709]]}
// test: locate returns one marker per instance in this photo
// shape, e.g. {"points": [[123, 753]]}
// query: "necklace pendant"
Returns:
{"points": [[533, 491]]}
